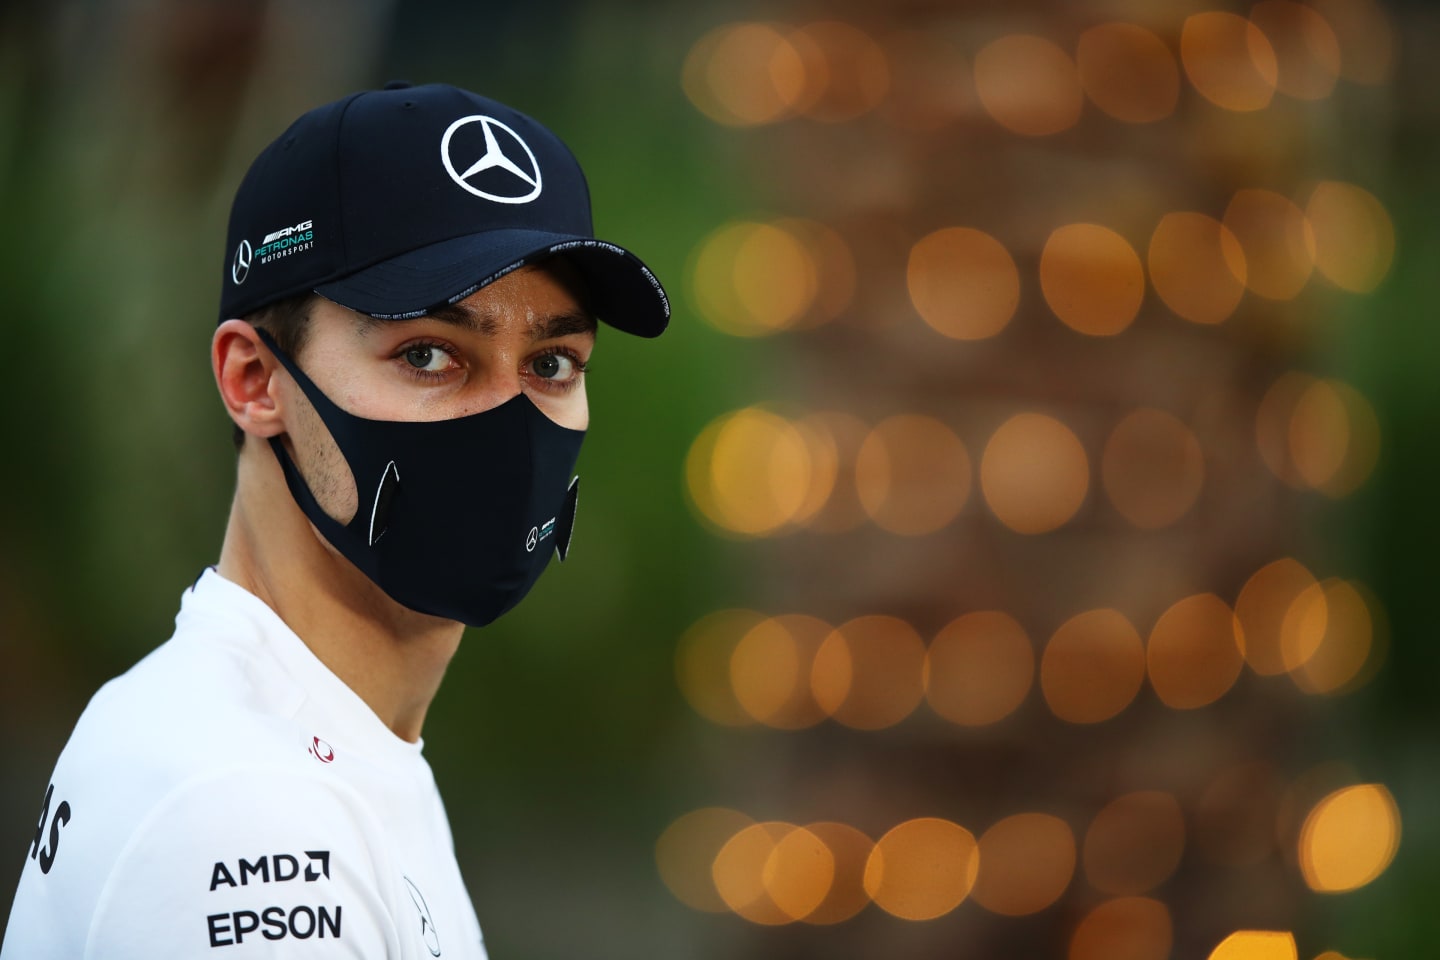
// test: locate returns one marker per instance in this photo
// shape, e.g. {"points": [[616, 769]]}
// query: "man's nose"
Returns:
{"points": [[490, 391]]}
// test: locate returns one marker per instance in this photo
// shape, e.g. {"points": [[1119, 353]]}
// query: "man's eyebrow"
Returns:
{"points": [[458, 316], [562, 325]]}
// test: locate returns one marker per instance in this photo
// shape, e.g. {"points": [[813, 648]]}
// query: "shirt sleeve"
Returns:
{"points": [[250, 864]]}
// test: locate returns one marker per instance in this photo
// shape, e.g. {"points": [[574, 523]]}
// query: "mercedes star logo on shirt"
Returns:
{"points": [[504, 151], [427, 926]]}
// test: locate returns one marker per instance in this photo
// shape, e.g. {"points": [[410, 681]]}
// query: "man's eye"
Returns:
{"points": [[427, 358], [553, 366]]}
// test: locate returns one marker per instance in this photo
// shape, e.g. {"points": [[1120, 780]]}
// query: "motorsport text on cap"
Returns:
{"points": [[394, 202]]}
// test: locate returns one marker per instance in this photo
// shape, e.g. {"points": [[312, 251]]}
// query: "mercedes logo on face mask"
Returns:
{"points": [[519, 177], [240, 269]]}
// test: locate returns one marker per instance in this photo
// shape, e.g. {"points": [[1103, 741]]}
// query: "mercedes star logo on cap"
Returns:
{"points": [[240, 269], [519, 162]]}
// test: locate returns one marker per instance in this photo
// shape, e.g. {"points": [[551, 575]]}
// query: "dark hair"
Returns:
{"points": [[288, 322]]}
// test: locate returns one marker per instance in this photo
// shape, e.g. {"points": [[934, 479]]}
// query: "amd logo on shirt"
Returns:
{"points": [[276, 868]]}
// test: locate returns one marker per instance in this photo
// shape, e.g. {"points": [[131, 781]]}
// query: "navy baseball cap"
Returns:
{"points": [[395, 202]]}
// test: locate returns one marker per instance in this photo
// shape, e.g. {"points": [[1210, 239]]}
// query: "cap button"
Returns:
{"points": [[398, 85]]}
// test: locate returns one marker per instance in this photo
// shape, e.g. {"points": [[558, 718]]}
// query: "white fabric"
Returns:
{"points": [[230, 796]]}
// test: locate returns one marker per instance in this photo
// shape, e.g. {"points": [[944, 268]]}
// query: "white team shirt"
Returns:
{"points": [[229, 796]]}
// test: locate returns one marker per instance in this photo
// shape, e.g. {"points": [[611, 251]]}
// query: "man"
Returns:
{"points": [[409, 302]]}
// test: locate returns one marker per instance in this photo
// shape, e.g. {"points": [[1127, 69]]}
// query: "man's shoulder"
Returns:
{"points": [[193, 705], [193, 869], [189, 735], [150, 792], [187, 793]]}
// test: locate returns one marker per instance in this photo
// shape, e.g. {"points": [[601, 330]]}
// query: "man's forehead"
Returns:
{"points": [[489, 322], [550, 296]]}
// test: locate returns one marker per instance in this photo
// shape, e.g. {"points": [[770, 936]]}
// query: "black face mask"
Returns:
{"points": [[457, 517]]}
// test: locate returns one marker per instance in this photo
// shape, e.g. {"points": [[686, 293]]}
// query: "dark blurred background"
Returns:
{"points": [[1020, 545]]}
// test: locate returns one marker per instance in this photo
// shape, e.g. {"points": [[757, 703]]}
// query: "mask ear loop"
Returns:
{"points": [[328, 411], [565, 525], [327, 408]]}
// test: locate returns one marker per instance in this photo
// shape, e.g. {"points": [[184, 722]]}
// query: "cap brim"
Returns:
{"points": [[624, 292]]}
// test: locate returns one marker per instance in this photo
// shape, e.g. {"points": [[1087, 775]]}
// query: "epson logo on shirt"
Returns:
{"points": [[279, 866], [301, 923]]}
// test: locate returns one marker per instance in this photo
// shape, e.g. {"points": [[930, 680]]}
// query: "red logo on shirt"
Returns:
{"points": [[321, 750]]}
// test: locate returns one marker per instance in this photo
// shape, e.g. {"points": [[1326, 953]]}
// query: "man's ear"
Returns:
{"points": [[245, 373]]}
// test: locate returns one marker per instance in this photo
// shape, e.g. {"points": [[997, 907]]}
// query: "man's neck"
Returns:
{"points": [[392, 657]]}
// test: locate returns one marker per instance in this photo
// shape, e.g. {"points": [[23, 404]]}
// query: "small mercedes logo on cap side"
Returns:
{"points": [[504, 150], [240, 269], [532, 539]]}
